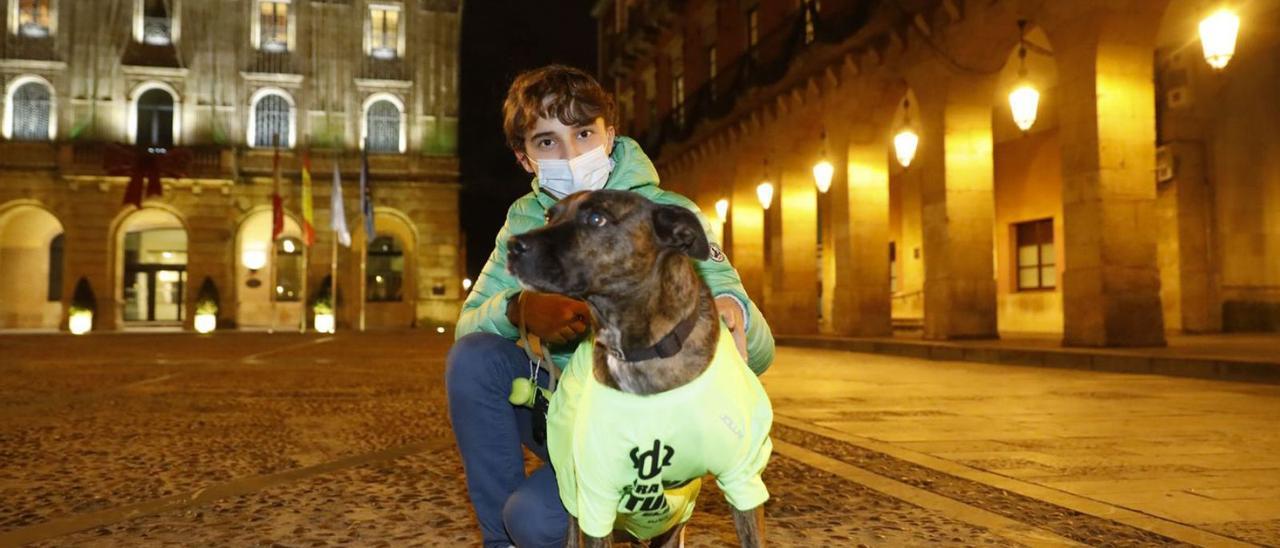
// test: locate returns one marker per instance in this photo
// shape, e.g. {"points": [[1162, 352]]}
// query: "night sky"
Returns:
{"points": [[501, 38]]}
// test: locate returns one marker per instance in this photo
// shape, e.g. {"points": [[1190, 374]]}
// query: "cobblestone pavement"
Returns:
{"points": [[304, 440]]}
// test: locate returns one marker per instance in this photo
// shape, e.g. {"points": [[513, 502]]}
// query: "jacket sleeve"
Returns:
{"points": [[485, 309], [723, 279]]}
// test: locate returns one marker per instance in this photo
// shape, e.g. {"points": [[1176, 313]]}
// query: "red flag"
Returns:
{"points": [[277, 205]]}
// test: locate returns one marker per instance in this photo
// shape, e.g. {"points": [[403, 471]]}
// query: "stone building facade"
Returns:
{"points": [[214, 93], [1144, 198]]}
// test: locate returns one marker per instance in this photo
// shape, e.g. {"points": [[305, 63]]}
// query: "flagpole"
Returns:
{"points": [[275, 281], [364, 218], [306, 246]]}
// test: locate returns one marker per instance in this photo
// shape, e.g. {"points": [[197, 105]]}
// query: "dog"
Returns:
{"points": [[660, 397]]}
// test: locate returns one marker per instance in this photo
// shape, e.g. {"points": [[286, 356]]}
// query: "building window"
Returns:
{"points": [[157, 23], [384, 270], [384, 32], [677, 88], [34, 18], [155, 118], [272, 123], [273, 26], [288, 269], [1036, 268], [893, 267], [55, 269], [383, 127], [31, 112], [753, 29]]}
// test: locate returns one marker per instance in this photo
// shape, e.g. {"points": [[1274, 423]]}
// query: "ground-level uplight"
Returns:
{"points": [[440, 330], [205, 323], [324, 322], [80, 322], [1218, 37]]}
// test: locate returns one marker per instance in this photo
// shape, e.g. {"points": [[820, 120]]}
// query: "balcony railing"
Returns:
{"points": [[272, 62], [21, 46], [93, 158], [372, 68], [760, 66]]}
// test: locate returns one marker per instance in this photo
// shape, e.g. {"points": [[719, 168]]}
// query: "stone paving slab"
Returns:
{"points": [[1249, 358], [1057, 431], [231, 440], [281, 434]]}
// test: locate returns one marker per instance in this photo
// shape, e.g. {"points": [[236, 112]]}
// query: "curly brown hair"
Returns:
{"points": [[565, 93]]}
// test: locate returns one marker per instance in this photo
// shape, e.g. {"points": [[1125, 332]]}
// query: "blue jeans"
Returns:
{"points": [[511, 508]]}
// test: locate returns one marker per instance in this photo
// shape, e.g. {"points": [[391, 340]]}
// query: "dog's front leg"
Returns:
{"points": [[750, 526]]}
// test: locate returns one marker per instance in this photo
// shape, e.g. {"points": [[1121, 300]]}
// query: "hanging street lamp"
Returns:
{"points": [[765, 193], [1024, 99], [722, 209], [823, 170], [906, 141], [1218, 37]]}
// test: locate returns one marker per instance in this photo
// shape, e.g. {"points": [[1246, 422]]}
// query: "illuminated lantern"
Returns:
{"points": [[765, 193], [1218, 37], [722, 209], [822, 172], [324, 322], [1023, 102], [904, 146]]}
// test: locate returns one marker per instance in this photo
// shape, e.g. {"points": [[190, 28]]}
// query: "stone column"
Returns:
{"points": [[746, 227], [957, 206], [1111, 281], [210, 243], [862, 236], [794, 259]]}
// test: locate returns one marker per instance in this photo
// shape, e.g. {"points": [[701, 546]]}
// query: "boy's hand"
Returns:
{"points": [[731, 313], [555, 319]]}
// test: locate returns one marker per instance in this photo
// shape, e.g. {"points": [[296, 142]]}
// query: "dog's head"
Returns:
{"points": [[603, 243]]}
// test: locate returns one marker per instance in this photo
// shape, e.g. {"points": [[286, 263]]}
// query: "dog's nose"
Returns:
{"points": [[517, 246]]}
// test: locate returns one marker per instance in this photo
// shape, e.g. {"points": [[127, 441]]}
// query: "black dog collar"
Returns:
{"points": [[667, 346]]}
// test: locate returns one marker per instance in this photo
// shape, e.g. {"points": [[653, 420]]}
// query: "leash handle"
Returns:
{"points": [[535, 350]]}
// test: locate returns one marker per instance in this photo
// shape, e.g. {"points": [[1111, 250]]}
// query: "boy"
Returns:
{"points": [[559, 122]]}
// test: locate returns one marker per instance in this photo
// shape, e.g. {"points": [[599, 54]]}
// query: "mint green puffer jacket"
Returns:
{"points": [[486, 306]]}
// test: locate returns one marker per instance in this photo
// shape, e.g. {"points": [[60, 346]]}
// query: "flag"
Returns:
{"points": [[337, 216], [308, 215], [366, 193], [277, 204]]}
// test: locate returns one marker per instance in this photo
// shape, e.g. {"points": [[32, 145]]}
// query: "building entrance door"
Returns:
{"points": [[153, 293]]}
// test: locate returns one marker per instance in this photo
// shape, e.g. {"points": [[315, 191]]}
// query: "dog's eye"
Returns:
{"points": [[596, 219]]}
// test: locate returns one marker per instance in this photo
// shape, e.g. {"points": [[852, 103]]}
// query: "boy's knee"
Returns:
{"points": [[468, 358], [532, 523]]}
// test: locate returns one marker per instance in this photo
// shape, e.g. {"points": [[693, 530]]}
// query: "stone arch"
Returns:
{"points": [[390, 222], [10, 119], [253, 287], [32, 272], [133, 116], [148, 249], [1027, 187], [290, 140]]}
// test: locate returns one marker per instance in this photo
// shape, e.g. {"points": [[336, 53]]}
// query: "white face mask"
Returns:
{"points": [[588, 171]]}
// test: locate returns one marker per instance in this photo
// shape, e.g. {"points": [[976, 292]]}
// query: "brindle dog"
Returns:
{"points": [[628, 258]]}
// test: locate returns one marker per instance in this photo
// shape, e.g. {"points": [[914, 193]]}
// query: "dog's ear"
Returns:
{"points": [[678, 228]]}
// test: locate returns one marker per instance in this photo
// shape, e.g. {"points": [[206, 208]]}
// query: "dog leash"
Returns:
{"points": [[537, 352]]}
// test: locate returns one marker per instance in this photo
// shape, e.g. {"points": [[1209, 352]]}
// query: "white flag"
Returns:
{"points": [[337, 216]]}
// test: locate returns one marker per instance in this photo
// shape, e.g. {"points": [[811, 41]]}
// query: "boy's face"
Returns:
{"points": [[551, 139]]}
